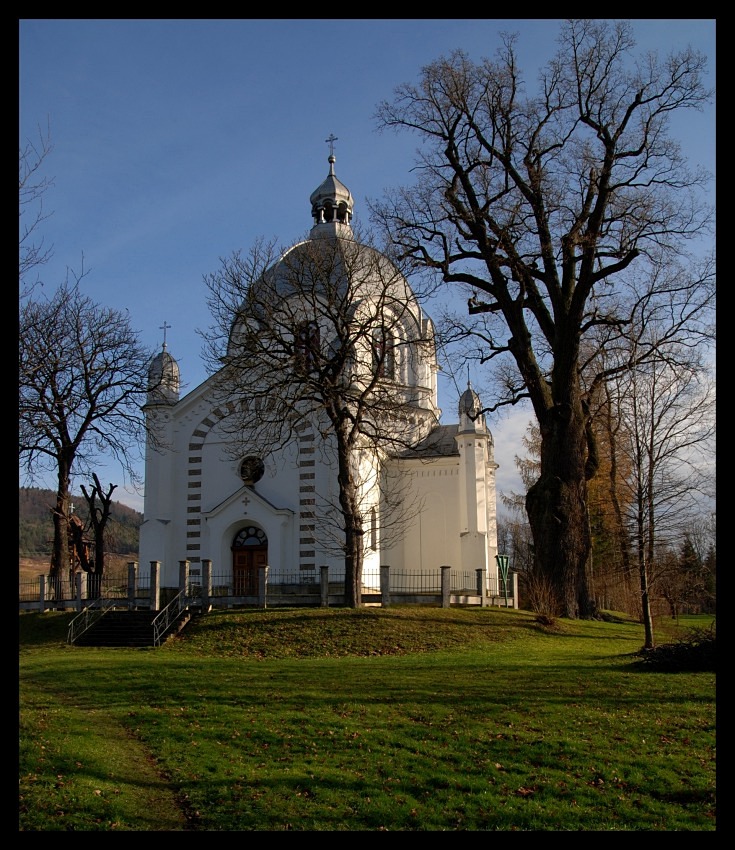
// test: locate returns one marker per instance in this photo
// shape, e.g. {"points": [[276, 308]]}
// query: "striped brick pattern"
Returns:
{"points": [[307, 496], [194, 484]]}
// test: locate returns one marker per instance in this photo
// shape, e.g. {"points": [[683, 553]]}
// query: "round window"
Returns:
{"points": [[252, 469]]}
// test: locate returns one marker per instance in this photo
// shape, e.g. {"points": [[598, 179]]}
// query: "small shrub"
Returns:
{"points": [[542, 598], [694, 652]]}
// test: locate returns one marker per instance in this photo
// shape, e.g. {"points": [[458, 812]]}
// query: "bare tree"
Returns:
{"points": [[32, 186], [534, 205], [669, 408], [326, 336], [99, 504], [83, 376], [658, 410], [609, 500]]}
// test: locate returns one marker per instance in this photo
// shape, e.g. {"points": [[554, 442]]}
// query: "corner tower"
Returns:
{"points": [[478, 520]]}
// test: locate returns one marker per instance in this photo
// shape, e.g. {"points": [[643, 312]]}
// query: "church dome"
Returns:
{"points": [[331, 279], [328, 260], [164, 379]]}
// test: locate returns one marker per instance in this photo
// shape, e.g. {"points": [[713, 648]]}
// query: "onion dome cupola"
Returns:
{"points": [[331, 202], [164, 380], [470, 416]]}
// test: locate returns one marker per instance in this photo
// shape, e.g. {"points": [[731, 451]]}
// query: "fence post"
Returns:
{"points": [[324, 585], [80, 583], [42, 593], [482, 591], [184, 576], [155, 590], [132, 583], [262, 585], [385, 585], [446, 585], [514, 576], [206, 585]]}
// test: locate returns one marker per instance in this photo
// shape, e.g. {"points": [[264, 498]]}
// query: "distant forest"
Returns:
{"points": [[36, 528]]}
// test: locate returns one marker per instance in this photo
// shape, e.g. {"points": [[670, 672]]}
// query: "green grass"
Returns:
{"points": [[370, 719]]}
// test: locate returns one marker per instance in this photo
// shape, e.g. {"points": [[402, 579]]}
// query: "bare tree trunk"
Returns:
{"points": [[353, 528], [60, 558], [98, 517], [646, 608]]}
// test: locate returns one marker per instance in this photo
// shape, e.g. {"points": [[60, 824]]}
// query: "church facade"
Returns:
{"points": [[244, 508]]}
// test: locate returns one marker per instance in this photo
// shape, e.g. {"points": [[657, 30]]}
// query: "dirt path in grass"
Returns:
{"points": [[92, 754]]}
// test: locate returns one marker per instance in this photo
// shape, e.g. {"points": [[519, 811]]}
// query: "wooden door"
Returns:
{"points": [[245, 563]]}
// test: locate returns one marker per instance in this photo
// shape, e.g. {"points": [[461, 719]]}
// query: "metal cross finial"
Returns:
{"points": [[163, 328], [330, 141]]}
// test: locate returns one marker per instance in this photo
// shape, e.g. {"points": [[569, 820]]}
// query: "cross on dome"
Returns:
{"points": [[163, 327]]}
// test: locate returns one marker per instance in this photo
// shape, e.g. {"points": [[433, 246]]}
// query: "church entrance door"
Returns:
{"points": [[249, 552], [245, 563]]}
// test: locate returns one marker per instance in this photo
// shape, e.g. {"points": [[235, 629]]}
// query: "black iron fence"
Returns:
{"points": [[207, 589]]}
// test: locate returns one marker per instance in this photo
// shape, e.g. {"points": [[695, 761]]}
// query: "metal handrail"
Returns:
{"points": [[88, 616], [163, 621]]}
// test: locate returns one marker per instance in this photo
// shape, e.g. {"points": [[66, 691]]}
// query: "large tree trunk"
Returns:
{"points": [[557, 512], [60, 557], [353, 567], [352, 519]]}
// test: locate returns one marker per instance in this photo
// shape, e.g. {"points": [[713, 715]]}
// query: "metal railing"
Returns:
{"points": [[168, 616], [88, 616], [48, 592]]}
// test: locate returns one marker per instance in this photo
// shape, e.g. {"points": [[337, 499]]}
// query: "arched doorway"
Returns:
{"points": [[249, 551]]}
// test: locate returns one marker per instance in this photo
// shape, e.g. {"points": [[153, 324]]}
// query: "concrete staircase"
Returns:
{"points": [[127, 628]]}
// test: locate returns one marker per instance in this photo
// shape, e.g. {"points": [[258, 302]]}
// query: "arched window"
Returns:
{"points": [[384, 354], [307, 347], [251, 535]]}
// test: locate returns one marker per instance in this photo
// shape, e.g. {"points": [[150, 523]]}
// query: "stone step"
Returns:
{"points": [[125, 628]]}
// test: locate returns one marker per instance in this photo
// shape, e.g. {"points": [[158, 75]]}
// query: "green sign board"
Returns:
{"points": [[503, 568]]}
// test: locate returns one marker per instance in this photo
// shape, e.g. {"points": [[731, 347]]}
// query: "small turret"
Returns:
{"points": [[331, 202], [470, 417], [164, 380]]}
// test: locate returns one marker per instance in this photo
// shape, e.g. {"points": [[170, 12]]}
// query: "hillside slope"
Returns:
{"points": [[35, 526]]}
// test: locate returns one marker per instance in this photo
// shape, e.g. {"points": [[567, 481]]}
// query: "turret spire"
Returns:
{"points": [[331, 203]]}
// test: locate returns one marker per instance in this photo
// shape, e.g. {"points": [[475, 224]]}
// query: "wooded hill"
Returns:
{"points": [[36, 528]]}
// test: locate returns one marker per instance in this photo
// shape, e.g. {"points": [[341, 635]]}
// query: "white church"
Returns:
{"points": [[204, 501]]}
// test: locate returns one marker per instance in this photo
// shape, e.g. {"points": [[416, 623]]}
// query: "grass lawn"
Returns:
{"points": [[374, 719]]}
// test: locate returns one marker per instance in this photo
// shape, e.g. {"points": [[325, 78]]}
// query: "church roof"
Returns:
{"points": [[440, 442]]}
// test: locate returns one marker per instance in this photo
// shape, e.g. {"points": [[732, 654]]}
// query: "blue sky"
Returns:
{"points": [[176, 142]]}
